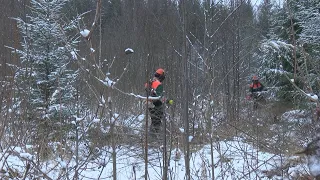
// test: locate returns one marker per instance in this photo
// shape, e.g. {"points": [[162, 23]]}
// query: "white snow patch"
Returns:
{"points": [[283, 44], [103, 100], [144, 97], [190, 138], [276, 71], [314, 165], [92, 50], [313, 97], [26, 156], [105, 130], [95, 120], [74, 55], [108, 82], [181, 130], [141, 117], [55, 93], [233, 160], [296, 116], [128, 51], [63, 164], [274, 45], [116, 115], [85, 32], [79, 118]]}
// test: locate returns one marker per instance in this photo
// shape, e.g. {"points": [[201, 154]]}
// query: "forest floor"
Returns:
{"points": [[260, 144], [276, 129]]}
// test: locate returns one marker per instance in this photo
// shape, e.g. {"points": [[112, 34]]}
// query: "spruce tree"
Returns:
{"points": [[45, 80], [289, 51], [308, 14]]}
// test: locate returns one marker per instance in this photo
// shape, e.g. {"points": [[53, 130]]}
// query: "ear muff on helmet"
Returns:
{"points": [[161, 77]]}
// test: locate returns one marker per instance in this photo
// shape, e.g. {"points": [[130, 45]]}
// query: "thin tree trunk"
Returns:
{"points": [[293, 38], [185, 92], [165, 152], [146, 144], [210, 77], [146, 129], [165, 155], [76, 173], [113, 142]]}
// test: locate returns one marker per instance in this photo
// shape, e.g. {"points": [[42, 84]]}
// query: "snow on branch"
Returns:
{"points": [[310, 96], [276, 45], [85, 33], [26, 156], [107, 82], [74, 55], [110, 83], [129, 51], [145, 97], [278, 71]]}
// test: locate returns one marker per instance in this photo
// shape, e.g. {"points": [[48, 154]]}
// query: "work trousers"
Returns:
{"points": [[157, 115]]}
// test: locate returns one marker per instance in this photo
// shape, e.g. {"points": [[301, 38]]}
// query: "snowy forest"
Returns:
{"points": [[74, 103]]}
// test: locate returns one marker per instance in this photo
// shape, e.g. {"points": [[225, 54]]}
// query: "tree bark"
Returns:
{"points": [[185, 91]]}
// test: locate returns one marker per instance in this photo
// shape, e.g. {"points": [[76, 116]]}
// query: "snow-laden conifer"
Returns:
{"points": [[45, 78]]}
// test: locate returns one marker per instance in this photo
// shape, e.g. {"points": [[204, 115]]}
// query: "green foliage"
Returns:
{"points": [[290, 29], [264, 18], [278, 55], [45, 80]]}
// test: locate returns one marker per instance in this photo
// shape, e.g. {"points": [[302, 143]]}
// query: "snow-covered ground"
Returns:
{"points": [[233, 159]]}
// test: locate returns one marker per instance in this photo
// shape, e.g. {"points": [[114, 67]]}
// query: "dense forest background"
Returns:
{"points": [[64, 72]]}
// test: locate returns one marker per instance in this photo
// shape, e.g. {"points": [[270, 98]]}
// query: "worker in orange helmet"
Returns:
{"points": [[256, 85], [154, 88]]}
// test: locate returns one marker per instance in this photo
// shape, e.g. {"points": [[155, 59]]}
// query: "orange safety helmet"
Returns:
{"points": [[160, 71], [160, 74], [255, 78]]}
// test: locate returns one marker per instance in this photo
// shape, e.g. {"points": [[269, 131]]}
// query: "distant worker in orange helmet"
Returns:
{"points": [[154, 88], [256, 85], [255, 88]]}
